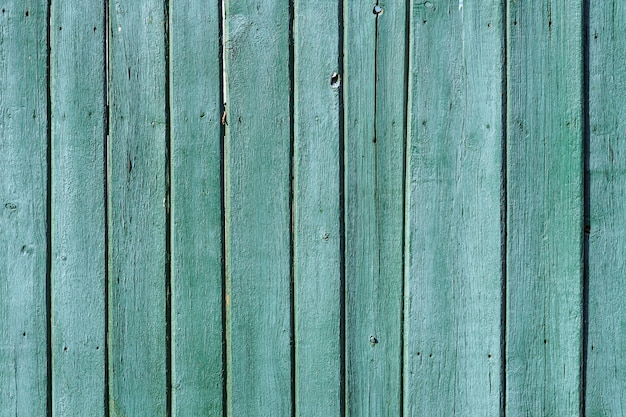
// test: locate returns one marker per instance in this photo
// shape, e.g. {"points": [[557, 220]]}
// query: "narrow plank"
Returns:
{"points": [[258, 218], [23, 208], [374, 158], [137, 212], [453, 282], [606, 351], [544, 208], [78, 207], [197, 260], [317, 205]]}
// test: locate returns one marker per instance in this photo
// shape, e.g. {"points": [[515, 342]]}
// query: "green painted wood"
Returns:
{"points": [[544, 208], [23, 208], [374, 169], [78, 208], [197, 241], [257, 200], [317, 205], [453, 257], [137, 212], [606, 349]]}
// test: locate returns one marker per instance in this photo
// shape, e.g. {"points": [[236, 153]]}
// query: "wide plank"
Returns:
{"points": [[78, 208], [197, 228], [258, 208], [453, 290], [544, 208], [24, 221], [317, 210], [138, 355], [606, 347]]}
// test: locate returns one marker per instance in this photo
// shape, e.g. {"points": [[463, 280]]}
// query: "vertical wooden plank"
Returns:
{"points": [[374, 168], [78, 207], [453, 255], [544, 208], [23, 208], [258, 218], [317, 210], [137, 212], [606, 350], [197, 241]]}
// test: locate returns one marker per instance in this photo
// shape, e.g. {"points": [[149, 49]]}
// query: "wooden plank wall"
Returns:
{"points": [[294, 208]]}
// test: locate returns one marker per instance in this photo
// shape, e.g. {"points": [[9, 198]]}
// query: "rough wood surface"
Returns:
{"points": [[544, 208], [258, 215], [606, 344], [78, 208], [137, 210], [197, 241], [23, 208], [374, 59], [453, 282], [317, 205]]}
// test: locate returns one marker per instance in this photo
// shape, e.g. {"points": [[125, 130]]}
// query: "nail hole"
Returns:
{"points": [[335, 80], [489, 356], [377, 10], [24, 334], [65, 349], [60, 27], [545, 341], [27, 13]]}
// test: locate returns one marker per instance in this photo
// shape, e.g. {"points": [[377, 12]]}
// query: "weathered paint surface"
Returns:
{"points": [[317, 210], [606, 344], [24, 222], [406, 208], [137, 210], [78, 209], [196, 204], [544, 209], [258, 202]]}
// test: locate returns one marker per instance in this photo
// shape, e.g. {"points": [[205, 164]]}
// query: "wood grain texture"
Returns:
{"points": [[544, 208], [23, 208], [137, 212], [317, 205], [258, 217], [197, 237], [374, 60], [78, 208], [453, 256], [606, 348]]}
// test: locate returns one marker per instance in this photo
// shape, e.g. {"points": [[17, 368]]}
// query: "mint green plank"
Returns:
{"points": [[257, 175], [453, 257], [544, 208], [606, 347], [137, 212], [196, 208], [78, 214], [23, 212], [374, 163], [317, 219]]}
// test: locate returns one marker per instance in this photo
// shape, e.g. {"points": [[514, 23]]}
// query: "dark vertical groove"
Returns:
{"points": [[405, 194], [342, 215], [224, 376], [105, 134], [49, 209], [503, 207], [586, 206], [292, 307], [168, 212]]}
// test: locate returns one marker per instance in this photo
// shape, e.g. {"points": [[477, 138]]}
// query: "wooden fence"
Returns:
{"points": [[404, 208]]}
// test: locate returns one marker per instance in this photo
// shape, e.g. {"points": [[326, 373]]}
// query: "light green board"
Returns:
{"points": [[453, 277], [137, 209], [257, 201], [606, 344], [317, 210], [544, 208], [24, 222], [197, 231], [78, 208]]}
